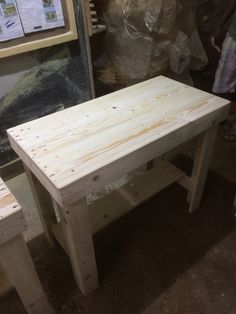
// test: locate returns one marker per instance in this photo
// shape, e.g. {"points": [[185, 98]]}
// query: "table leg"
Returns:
{"points": [[76, 225], [201, 166], [44, 205], [19, 266]]}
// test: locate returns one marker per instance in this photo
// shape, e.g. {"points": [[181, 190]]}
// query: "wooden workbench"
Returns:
{"points": [[74, 152]]}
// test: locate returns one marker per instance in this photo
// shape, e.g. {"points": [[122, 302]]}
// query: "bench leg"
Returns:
{"points": [[44, 205], [200, 167], [19, 266], [79, 241]]}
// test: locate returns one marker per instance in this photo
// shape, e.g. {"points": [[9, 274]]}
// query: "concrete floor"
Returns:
{"points": [[156, 259]]}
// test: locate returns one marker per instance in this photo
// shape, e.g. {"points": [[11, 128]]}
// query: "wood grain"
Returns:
{"points": [[12, 221], [89, 145], [17, 261]]}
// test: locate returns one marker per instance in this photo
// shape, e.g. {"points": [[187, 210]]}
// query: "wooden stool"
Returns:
{"points": [[15, 256]]}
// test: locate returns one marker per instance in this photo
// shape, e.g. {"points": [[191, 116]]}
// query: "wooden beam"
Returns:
{"points": [[121, 201], [19, 266]]}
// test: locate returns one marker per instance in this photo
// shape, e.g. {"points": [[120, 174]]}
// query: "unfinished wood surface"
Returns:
{"points": [[5, 284], [12, 221], [201, 166], [82, 148], [138, 190], [79, 242], [104, 211], [43, 204], [17, 261]]}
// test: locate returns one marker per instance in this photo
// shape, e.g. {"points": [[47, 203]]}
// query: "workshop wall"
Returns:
{"points": [[39, 83]]}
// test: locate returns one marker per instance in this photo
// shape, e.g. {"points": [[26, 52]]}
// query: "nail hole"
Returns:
{"points": [[96, 178]]}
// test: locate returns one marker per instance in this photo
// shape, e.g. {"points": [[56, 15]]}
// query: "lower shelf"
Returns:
{"points": [[119, 202]]}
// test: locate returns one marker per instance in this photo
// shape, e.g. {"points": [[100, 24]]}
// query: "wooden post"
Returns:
{"points": [[19, 266], [44, 205], [5, 284], [78, 235], [201, 166]]}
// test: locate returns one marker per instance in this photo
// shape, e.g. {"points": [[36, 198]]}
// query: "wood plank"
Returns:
{"points": [[43, 204], [24, 276], [59, 235], [5, 284], [77, 231], [186, 183], [138, 190], [201, 166], [12, 221], [94, 143], [119, 202]]}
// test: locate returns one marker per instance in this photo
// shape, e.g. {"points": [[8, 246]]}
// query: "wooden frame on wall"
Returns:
{"points": [[45, 38]]}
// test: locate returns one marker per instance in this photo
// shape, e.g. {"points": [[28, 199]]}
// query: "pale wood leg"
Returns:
{"points": [[201, 166], [44, 205], [5, 284], [19, 266], [79, 241]]}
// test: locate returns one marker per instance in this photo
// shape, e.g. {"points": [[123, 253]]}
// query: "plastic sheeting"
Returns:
{"points": [[148, 38]]}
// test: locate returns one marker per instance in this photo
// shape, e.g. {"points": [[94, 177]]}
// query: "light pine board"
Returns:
{"points": [[138, 190], [82, 148], [23, 275], [78, 238], [13, 248], [12, 221], [11, 224], [5, 284], [119, 202]]}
